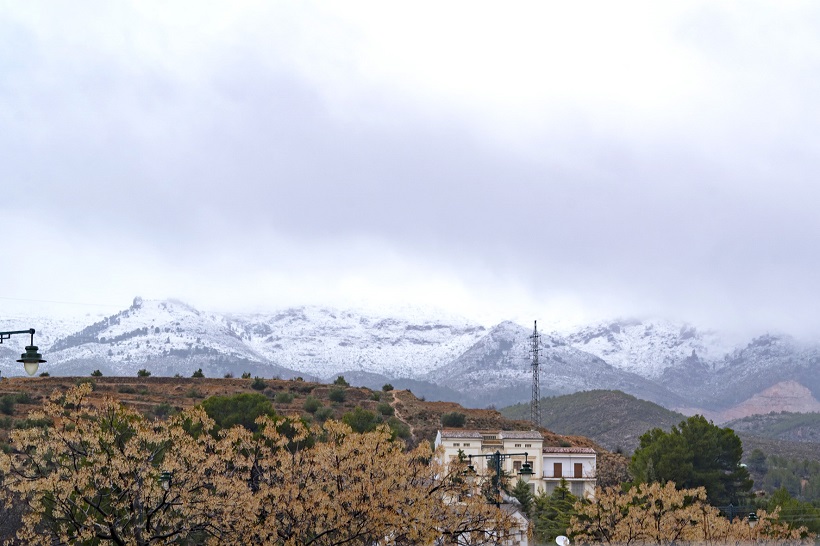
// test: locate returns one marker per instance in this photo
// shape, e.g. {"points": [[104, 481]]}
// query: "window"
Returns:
{"points": [[516, 465], [527, 445], [578, 470], [577, 489], [557, 471], [456, 444], [491, 437], [466, 444], [517, 445]]}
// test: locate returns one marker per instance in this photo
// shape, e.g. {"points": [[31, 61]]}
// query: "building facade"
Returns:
{"points": [[576, 465]]}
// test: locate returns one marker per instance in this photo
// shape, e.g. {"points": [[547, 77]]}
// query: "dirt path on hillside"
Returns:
{"points": [[399, 416]]}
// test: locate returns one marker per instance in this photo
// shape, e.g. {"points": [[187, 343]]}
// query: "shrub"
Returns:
{"points": [[284, 398], [311, 404], [337, 395], [228, 375], [7, 403], [246, 375], [45, 374], [143, 373], [361, 420], [385, 409], [5, 423], [398, 428], [198, 373], [387, 387], [194, 393], [376, 396], [453, 419], [341, 381], [127, 389], [96, 373], [163, 410], [177, 375], [238, 409], [258, 384], [323, 414], [24, 398], [89, 380]]}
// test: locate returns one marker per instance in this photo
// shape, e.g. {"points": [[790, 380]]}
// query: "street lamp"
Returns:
{"points": [[31, 359], [525, 473], [165, 480]]}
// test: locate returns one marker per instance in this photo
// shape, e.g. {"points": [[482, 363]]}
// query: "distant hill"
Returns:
{"points": [[790, 435], [613, 419]]}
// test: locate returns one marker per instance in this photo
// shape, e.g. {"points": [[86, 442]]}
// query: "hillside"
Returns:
{"points": [[159, 396], [613, 419]]}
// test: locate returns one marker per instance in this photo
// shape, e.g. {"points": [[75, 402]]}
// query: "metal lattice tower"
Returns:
{"points": [[535, 407]]}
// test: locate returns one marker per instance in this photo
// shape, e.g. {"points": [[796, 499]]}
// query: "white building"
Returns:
{"points": [[577, 465]]}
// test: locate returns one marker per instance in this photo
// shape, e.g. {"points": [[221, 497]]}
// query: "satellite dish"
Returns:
{"points": [[561, 540]]}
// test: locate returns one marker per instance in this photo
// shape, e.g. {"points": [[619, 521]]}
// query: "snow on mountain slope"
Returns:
{"points": [[325, 342], [647, 348], [502, 360]]}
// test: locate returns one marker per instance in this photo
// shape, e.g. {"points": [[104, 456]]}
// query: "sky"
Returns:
{"points": [[559, 161]]}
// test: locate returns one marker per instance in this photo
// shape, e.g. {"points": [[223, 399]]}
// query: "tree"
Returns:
{"points": [[453, 419], [695, 453], [552, 513], [664, 515], [96, 373], [92, 474], [104, 473], [198, 373], [523, 493], [143, 373], [341, 381], [387, 387]]}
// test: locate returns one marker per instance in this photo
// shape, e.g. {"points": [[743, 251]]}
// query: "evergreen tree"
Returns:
{"points": [[523, 493], [695, 453], [552, 513]]}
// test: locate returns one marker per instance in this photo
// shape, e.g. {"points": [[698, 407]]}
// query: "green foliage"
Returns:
{"points": [[258, 383], [453, 419], [794, 512], [695, 453], [398, 428], [311, 404], [376, 396], [198, 373], [323, 414], [552, 513], [143, 373], [6, 423], [238, 409], [523, 493], [284, 398], [228, 375], [361, 420], [7, 403], [801, 479], [89, 380], [163, 410], [96, 373], [387, 387], [45, 374], [337, 395], [385, 409], [126, 389], [341, 381], [246, 375]]}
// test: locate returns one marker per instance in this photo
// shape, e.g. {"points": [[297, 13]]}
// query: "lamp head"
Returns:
{"points": [[31, 359], [526, 472]]}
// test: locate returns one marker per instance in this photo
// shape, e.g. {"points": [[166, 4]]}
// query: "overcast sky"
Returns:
{"points": [[552, 161]]}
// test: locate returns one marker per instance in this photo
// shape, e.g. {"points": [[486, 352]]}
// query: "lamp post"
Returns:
{"points": [[525, 473], [31, 359]]}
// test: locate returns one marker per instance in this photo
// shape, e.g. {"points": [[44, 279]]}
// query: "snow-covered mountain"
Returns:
{"points": [[439, 356]]}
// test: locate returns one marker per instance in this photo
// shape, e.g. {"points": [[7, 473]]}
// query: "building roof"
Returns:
{"points": [[460, 433], [501, 434], [584, 450]]}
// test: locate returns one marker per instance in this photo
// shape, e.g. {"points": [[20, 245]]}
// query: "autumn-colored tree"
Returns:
{"points": [[107, 475], [663, 515], [93, 473]]}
